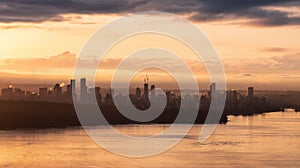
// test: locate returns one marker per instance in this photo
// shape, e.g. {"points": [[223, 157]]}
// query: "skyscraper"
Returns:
{"points": [[72, 82], [57, 91], [69, 90], [234, 95], [83, 88], [98, 94], [251, 92], [153, 90], [138, 93], [212, 90], [146, 89], [43, 92]]}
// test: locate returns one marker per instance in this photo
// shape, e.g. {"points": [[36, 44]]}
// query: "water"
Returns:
{"points": [[269, 140]]}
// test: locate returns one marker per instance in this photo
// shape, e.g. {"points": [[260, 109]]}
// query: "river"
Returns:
{"points": [[266, 140]]}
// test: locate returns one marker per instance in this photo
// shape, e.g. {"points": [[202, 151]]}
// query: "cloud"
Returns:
{"points": [[246, 74], [65, 63], [64, 60], [62, 65], [287, 62], [262, 71], [52, 10], [255, 10], [18, 26], [29, 78], [273, 49], [198, 10], [263, 66]]}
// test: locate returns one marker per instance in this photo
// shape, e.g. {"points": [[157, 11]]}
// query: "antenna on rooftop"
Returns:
{"points": [[146, 79]]}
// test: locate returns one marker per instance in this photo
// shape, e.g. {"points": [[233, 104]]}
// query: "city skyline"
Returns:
{"points": [[84, 89], [140, 96]]}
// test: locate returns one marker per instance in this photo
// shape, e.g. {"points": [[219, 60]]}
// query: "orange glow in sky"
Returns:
{"points": [[267, 57]]}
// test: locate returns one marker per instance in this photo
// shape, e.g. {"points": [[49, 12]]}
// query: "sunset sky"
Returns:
{"points": [[257, 40]]}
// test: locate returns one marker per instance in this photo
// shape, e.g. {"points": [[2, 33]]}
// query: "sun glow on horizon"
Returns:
{"points": [[36, 52]]}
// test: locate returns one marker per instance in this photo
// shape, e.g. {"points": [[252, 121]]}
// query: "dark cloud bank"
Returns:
{"points": [[197, 10]]}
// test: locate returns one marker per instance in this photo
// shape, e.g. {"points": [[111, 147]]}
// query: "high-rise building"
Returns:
{"points": [[7, 93], [212, 90], [43, 92], [98, 94], [97, 90], [152, 87], [146, 89], [168, 95], [153, 90], [92, 91], [146, 92], [72, 82], [83, 88], [69, 90], [57, 90], [138, 93], [234, 95], [112, 92], [251, 92]]}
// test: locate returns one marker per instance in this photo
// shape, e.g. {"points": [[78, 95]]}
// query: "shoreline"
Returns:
{"points": [[43, 115]]}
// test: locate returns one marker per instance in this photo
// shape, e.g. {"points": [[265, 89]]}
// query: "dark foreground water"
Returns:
{"points": [[269, 140]]}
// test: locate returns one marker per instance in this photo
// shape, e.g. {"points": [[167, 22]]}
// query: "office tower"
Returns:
{"points": [[7, 93], [28, 93], [212, 90], [146, 91], [19, 93], [72, 82], [108, 99], [112, 92], [138, 93], [234, 95], [43, 92], [153, 90], [97, 90], [57, 91], [98, 94], [69, 90], [92, 91], [251, 92], [83, 88], [168, 95]]}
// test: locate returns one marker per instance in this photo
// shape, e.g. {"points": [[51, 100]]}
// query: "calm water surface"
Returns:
{"points": [[269, 140]]}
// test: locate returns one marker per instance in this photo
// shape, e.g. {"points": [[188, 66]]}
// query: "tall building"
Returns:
{"points": [[98, 94], [146, 91], [83, 88], [7, 93], [112, 92], [69, 90], [212, 90], [168, 95], [138, 93], [251, 92], [43, 92], [57, 90], [234, 95], [153, 90], [97, 90], [72, 82]]}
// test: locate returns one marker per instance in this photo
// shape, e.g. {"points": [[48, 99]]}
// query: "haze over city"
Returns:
{"points": [[257, 41]]}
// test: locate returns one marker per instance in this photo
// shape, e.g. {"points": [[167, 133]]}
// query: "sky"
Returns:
{"points": [[258, 41]]}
